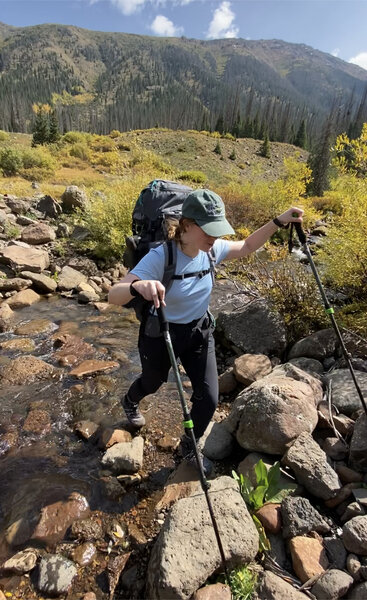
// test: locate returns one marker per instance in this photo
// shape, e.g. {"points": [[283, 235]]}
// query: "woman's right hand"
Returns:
{"points": [[151, 290]]}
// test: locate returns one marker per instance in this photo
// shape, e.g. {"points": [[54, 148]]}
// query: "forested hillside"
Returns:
{"points": [[103, 81]]}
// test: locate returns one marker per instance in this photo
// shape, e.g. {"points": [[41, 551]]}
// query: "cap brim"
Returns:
{"points": [[216, 228]]}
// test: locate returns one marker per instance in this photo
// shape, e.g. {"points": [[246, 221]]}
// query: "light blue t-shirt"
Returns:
{"points": [[187, 299]]}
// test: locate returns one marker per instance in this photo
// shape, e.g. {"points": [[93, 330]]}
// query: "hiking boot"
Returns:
{"points": [[188, 455], [132, 412]]}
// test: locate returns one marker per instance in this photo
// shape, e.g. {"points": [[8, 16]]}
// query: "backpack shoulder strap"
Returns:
{"points": [[170, 261], [212, 263]]}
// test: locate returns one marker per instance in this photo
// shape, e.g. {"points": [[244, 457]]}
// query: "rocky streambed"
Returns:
{"points": [[92, 510]]}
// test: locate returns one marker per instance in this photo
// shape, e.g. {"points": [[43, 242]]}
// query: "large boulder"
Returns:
{"points": [[344, 394], [69, 279], [358, 445], [39, 233], [74, 198], [25, 258], [23, 299], [355, 535], [186, 551], [49, 207], [319, 345], [42, 283], [275, 410], [255, 329], [310, 466]]}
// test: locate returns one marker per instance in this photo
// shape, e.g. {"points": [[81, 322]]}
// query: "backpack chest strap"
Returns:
{"points": [[198, 274]]}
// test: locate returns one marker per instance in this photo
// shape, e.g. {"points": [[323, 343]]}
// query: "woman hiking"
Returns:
{"points": [[197, 235]]}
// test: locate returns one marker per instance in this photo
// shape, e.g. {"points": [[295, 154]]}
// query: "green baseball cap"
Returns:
{"points": [[207, 209]]}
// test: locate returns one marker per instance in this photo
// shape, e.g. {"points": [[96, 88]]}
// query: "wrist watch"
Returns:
{"points": [[132, 290]]}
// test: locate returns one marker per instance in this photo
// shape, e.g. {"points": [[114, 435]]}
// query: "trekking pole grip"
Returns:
{"points": [[301, 234], [162, 319]]}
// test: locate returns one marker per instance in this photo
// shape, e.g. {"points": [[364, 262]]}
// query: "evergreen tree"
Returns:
{"points": [[218, 149], [233, 155], [319, 160], [40, 128], [300, 139], [265, 147], [219, 126], [54, 132]]}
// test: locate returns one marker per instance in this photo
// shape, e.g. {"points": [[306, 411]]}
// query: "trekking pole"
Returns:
{"points": [[328, 308], [189, 430]]}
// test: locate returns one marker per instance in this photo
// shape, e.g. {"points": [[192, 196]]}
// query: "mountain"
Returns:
{"points": [[101, 81]]}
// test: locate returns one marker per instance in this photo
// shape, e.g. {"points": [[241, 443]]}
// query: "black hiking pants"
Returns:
{"points": [[194, 344]]}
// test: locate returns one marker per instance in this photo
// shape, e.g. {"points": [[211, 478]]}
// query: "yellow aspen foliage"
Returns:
{"points": [[350, 156]]}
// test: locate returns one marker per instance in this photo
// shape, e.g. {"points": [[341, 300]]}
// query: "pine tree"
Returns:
{"points": [[54, 132], [300, 139], [265, 147], [40, 128], [320, 159], [218, 149], [233, 155], [219, 126]]}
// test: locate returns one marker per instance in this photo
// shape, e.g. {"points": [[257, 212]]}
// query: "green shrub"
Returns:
{"points": [[80, 150], [3, 136], [218, 149], [38, 163], [74, 137], [233, 155], [115, 133], [194, 176], [11, 161]]}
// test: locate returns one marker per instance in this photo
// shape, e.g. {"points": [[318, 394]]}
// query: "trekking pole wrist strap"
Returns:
{"points": [[132, 290], [280, 224]]}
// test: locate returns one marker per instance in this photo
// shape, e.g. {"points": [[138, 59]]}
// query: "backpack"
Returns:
{"points": [[157, 202]]}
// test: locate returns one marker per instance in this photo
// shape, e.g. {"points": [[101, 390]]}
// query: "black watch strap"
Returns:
{"points": [[279, 223], [132, 290]]}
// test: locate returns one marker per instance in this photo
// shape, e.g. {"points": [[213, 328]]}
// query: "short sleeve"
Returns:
{"points": [[151, 266], [221, 249]]}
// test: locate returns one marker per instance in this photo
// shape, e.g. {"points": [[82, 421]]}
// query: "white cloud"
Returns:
{"points": [[222, 24], [360, 60], [336, 52], [163, 26], [129, 7]]}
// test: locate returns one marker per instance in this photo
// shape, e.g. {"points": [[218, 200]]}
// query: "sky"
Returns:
{"points": [[338, 27]]}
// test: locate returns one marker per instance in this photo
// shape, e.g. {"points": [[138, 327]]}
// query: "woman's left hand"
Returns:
{"points": [[288, 215]]}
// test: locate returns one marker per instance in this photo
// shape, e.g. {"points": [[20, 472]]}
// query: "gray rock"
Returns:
{"points": [[278, 550], [56, 574], [69, 279], [25, 258], [354, 566], [38, 233], [186, 551], [319, 345], [42, 283], [343, 392], [310, 466], [74, 198], [217, 441], [355, 535], [272, 412], [256, 329], [63, 230], [15, 283], [359, 592], [125, 457], [49, 207], [331, 585], [251, 367], [335, 448], [18, 205], [226, 381], [336, 552], [83, 264], [354, 509], [310, 365], [86, 296], [21, 562], [300, 517], [272, 587], [358, 445]]}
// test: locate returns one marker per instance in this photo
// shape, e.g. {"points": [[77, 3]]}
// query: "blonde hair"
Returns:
{"points": [[176, 227]]}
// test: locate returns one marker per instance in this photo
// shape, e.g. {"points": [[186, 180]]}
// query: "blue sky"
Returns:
{"points": [[338, 27]]}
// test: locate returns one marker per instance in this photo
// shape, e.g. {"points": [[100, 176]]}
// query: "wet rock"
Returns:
{"points": [[90, 367], [25, 259], [56, 518], [319, 345], [216, 591], [308, 557], [87, 529], [8, 441], [84, 554], [42, 283], [227, 382], [270, 517], [311, 468], [37, 422], [21, 562], [183, 557], [35, 327], [343, 392], [86, 429], [336, 552], [26, 369], [331, 585], [39, 233], [358, 445], [272, 587], [126, 457], [71, 349], [15, 283], [116, 565], [251, 367], [73, 198], [256, 329], [49, 207], [217, 442], [69, 279], [355, 535], [56, 575], [6, 316], [310, 365], [18, 345], [23, 299], [271, 413], [300, 517]]}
